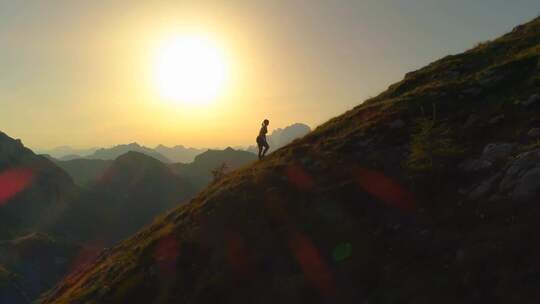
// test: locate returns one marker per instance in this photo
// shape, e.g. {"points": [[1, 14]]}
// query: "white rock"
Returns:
{"points": [[531, 100]]}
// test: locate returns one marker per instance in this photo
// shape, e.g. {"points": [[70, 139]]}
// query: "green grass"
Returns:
{"points": [[431, 141], [532, 146]]}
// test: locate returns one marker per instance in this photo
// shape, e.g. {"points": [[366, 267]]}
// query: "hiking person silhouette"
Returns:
{"points": [[261, 139]]}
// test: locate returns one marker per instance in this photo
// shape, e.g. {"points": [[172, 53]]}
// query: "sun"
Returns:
{"points": [[191, 69]]}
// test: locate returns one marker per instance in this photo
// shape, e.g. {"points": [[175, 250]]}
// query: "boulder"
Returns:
{"points": [[474, 165], [496, 151], [484, 188], [528, 186], [497, 119], [535, 98], [519, 181], [534, 132]]}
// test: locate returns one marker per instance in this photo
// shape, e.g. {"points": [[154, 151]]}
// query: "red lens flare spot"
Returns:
{"points": [[166, 254], [315, 269], [297, 176], [14, 181], [386, 189]]}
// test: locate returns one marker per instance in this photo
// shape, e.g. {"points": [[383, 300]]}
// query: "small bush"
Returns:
{"points": [[220, 171], [431, 141]]}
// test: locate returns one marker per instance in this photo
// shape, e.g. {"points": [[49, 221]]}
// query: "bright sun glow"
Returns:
{"points": [[191, 69]]}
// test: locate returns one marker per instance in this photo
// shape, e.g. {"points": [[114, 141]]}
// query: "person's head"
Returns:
{"points": [[266, 122]]}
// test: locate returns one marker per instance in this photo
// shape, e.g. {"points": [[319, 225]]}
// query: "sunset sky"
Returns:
{"points": [[86, 73]]}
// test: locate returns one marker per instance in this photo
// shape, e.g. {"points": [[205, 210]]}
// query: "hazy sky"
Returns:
{"points": [[79, 72]]}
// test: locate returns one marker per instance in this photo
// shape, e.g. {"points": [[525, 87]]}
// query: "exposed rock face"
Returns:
{"points": [[519, 180], [491, 153], [497, 119], [496, 151], [533, 99]]}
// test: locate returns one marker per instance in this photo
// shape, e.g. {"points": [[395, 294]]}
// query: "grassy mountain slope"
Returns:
{"points": [[416, 196]]}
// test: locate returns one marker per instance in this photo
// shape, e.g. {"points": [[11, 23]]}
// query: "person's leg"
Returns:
{"points": [[266, 147], [260, 151]]}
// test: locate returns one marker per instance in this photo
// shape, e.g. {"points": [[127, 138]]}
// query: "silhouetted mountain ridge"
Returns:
{"points": [[116, 151]]}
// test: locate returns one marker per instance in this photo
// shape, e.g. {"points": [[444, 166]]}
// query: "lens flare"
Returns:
{"points": [[14, 181]]}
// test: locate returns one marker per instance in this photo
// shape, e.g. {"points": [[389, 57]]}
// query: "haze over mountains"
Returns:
{"points": [[177, 154], [427, 193]]}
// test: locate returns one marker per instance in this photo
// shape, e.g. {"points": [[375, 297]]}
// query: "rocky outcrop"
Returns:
{"points": [[491, 153], [518, 181]]}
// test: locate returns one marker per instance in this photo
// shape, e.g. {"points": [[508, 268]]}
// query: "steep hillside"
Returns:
{"points": [[427, 193], [131, 192], [199, 172], [116, 151], [33, 190]]}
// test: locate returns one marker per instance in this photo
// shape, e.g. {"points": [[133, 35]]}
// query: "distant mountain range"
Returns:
{"points": [[176, 154], [67, 152], [116, 151], [179, 154]]}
